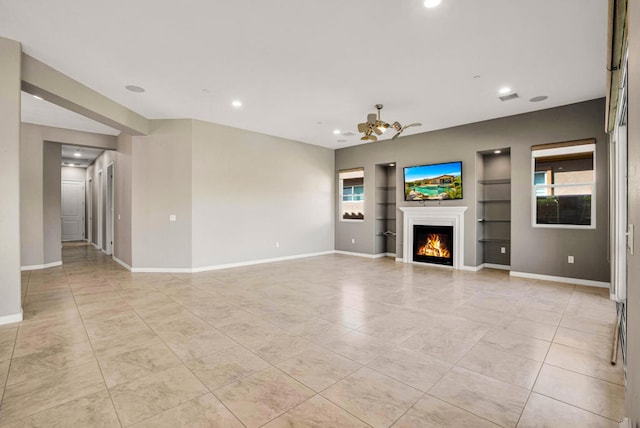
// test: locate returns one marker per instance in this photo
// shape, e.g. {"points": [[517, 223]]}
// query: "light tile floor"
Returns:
{"points": [[331, 341]]}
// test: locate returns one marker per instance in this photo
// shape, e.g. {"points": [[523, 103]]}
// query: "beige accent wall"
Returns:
{"points": [[10, 302], [161, 186], [252, 190]]}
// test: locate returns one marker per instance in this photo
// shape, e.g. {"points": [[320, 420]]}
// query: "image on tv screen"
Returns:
{"points": [[433, 182]]}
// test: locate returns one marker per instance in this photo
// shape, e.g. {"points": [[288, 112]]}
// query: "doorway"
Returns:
{"points": [[90, 211], [100, 240], [109, 211]]}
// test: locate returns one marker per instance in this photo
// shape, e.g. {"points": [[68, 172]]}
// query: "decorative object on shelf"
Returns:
{"points": [[375, 125]]}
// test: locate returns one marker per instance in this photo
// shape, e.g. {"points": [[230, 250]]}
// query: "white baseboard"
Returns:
{"points": [[365, 255], [578, 281], [45, 266], [496, 266], [121, 263], [226, 265], [96, 246], [390, 255], [10, 319], [472, 268]]}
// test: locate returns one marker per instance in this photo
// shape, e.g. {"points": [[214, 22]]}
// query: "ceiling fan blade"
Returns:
{"points": [[377, 130], [412, 124], [362, 127], [371, 118], [373, 138]]}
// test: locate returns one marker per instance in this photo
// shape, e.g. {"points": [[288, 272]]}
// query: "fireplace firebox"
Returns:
{"points": [[433, 244]]}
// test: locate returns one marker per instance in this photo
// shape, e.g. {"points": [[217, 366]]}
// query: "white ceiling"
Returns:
{"points": [[305, 68], [85, 156]]}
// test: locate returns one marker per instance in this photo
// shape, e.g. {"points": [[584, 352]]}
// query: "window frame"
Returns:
{"points": [[559, 150], [342, 195]]}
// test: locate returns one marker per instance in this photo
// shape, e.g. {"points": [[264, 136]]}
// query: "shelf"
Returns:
{"points": [[482, 220], [496, 181], [496, 201], [494, 240]]}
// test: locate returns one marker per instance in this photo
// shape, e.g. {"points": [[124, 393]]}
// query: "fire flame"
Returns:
{"points": [[434, 247]]}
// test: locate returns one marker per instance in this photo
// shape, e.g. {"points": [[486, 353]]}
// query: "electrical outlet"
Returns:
{"points": [[353, 240], [172, 217], [503, 250], [277, 244], [570, 259]]}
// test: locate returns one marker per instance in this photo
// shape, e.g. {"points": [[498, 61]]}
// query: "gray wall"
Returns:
{"points": [[633, 262], [52, 201], [31, 197], [123, 178], [577, 121], [161, 186], [10, 178], [100, 164], [252, 190], [73, 173]]}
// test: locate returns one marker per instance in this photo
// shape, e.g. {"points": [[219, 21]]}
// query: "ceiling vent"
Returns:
{"points": [[509, 97]]}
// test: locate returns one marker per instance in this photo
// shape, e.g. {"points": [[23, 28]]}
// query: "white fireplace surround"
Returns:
{"points": [[434, 216]]}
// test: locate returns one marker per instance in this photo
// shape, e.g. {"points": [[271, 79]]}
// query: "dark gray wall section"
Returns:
{"points": [[633, 262], [534, 250]]}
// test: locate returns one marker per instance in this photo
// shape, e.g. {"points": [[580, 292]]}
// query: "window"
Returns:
{"points": [[352, 194], [564, 178]]}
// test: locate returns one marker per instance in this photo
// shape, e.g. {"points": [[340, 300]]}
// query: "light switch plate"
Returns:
{"points": [[172, 217]]}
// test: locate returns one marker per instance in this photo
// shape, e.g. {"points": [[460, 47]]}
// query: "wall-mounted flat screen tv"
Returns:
{"points": [[434, 182]]}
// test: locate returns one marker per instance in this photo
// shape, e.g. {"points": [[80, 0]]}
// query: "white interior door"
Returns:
{"points": [[72, 210]]}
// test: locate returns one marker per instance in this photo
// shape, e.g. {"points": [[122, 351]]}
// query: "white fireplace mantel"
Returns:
{"points": [[434, 216]]}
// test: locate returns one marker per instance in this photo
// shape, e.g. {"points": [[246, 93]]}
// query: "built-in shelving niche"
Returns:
{"points": [[494, 208], [385, 209]]}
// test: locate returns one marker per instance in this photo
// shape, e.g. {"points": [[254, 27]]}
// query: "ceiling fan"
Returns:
{"points": [[375, 125]]}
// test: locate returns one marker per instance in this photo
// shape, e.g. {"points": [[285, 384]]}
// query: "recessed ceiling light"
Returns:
{"points": [[538, 98], [497, 152], [76, 154], [37, 97], [236, 103], [72, 164], [431, 3], [336, 131], [134, 88], [392, 164], [504, 90]]}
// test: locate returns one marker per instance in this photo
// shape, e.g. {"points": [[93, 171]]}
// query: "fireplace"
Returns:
{"points": [[433, 244], [437, 216]]}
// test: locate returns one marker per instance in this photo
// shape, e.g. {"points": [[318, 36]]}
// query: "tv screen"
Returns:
{"points": [[433, 182]]}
